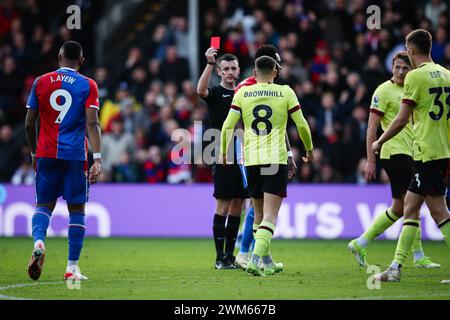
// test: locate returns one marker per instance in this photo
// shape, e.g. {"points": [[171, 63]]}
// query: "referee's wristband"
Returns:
{"points": [[290, 154], [97, 155], [211, 63]]}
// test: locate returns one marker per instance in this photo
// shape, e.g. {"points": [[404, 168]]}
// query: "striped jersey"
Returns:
{"points": [[61, 98]]}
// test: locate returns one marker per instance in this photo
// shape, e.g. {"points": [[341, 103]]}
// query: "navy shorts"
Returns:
{"points": [[60, 177], [430, 178], [273, 181], [399, 170]]}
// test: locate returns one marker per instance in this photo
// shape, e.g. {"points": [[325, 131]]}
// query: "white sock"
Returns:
{"points": [[418, 255], [71, 263], [395, 265], [362, 242], [39, 242]]}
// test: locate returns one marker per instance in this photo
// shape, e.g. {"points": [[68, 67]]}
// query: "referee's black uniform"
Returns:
{"points": [[228, 182]]}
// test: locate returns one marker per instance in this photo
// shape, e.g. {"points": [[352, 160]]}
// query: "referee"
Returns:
{"points": [[229, 189]]}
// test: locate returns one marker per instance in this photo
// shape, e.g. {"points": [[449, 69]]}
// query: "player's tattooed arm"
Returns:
{"points": [[94, 134], [30, 132]]}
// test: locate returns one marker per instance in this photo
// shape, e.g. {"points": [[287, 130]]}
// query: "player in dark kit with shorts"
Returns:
{"points": [[229, 189]]}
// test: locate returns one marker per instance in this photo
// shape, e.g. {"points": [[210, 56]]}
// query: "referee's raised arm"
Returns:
{"points": [[203, 82]]}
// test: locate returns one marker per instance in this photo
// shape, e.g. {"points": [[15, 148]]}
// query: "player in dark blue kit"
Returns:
{"points": [[67, 105]]}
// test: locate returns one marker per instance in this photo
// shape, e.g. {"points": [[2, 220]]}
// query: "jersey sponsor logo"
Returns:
{"points": [[226, 95]]}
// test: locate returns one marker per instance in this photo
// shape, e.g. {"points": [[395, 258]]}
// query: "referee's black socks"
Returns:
{"points": [[219, 233], [231, 232]]}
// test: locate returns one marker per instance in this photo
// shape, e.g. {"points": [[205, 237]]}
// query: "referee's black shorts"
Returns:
{"points": [[399, 171], [267, 178], [228, 182], [430, 178]]}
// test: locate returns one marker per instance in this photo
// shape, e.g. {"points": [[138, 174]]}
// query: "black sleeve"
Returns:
{"points": [[211, 98]]}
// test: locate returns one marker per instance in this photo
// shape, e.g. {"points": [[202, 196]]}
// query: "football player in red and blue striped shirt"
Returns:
{"points": [[67, 105]]}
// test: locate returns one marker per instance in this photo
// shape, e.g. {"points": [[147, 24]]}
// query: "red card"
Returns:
{"points": [[215, 42]]}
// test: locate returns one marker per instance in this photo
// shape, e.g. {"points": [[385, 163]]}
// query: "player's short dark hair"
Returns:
{"points": [[421, 39], [402, 55], [267, 50], [72, 50], [265, 64], [227, 57]]}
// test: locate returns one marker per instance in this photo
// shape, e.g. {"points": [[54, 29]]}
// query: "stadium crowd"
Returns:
{"points": [[329, 57]]}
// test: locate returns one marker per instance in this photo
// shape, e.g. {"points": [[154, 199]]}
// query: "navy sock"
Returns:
{"points": [[40, 223], [77, 230], [247, 238]]}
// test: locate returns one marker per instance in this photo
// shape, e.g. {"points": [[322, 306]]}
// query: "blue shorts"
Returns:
{"points": [[60, 177]]}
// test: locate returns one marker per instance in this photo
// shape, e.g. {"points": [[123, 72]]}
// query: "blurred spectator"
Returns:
{"points": [[373, 73], [173, 68], [179, 31], [154, 167], [179, 166], [126, 170], [439, 44], [328, 120], [124, 102], [328, 57], [24, 175], [10, 86], [115, 144], [10, 153], [105, 91], [433, 10]]}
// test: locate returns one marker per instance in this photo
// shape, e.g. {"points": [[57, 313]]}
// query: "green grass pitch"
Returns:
{"points": [[142, 268]]}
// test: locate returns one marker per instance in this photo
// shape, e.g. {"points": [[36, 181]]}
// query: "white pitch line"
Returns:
{"points": [[21, 285], [398, 297]]}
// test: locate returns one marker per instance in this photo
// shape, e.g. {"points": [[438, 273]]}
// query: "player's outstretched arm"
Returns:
{"points": [[371, 136], [400, 121], [30, 131], [227, 132], [94, 135], [304, 131], [203, 82]]}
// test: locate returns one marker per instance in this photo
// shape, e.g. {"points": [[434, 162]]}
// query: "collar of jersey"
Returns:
{"points": [[67, 68], [424, 64]]}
